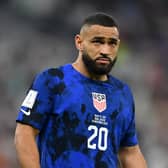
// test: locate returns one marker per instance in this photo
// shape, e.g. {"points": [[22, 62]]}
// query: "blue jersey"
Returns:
{"points": [[82, 122]]}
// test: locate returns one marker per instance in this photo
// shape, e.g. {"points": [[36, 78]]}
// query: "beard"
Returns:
{"points": [[97, 68]]}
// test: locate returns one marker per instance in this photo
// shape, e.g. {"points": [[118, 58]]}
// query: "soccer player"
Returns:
{"points": [[78, 115]]}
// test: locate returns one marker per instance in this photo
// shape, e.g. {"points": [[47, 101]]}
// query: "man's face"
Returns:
{"points": [[95, 66], [99, 46]]}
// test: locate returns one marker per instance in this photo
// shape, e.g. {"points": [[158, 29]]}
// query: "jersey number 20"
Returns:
{"points": [[101, 135]]}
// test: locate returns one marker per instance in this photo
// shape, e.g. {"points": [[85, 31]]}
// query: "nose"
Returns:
{"points": [[105, 50]]}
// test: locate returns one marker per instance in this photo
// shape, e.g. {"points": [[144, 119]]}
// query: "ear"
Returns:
{"points": [[78, 42], [118, 45], [118, 42]]}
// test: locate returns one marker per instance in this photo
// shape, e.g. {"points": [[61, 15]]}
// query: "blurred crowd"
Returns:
{"points": [[37, 34]]}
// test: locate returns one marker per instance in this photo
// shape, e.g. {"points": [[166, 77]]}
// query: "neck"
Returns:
{"points": [[80, 67]]}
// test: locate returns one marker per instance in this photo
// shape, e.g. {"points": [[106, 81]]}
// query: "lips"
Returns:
{"points": [[103, 60]]}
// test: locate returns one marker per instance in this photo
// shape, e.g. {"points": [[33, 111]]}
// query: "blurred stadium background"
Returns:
{"points": [[36, 34]]}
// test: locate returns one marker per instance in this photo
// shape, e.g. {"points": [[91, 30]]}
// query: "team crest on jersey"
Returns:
{"points": [[99, 101]]}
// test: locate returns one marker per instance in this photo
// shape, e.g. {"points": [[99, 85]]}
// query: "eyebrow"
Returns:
{"points": [[112, 39]]}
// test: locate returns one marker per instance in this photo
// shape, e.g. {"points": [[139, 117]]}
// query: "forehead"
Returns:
{"points": [[100, 31]]}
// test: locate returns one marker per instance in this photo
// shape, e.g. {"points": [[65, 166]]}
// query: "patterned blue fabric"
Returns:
{"points": [[82, 122]]}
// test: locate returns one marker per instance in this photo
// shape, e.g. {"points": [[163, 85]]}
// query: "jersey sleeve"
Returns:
{"points": [[130, 136], [37, 103]]}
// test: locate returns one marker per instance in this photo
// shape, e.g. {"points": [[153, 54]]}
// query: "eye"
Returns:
{"points": [[113, 42], [97, 41]]}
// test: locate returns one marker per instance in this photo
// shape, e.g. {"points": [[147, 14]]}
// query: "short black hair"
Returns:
{"points": [[102, 19]]}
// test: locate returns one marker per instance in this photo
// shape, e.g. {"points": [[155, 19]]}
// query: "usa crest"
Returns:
{"points": [[99, 101]]}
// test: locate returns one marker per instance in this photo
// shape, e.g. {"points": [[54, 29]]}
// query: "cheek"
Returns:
{"points": [[115, 50], [95, 49], [92, 50]]}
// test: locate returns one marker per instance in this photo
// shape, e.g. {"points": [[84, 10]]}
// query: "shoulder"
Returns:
{"points": [[53, 72], [49, 77], [117, 82], [122, 86]]}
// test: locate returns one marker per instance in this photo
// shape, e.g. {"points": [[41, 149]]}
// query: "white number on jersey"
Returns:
{"points": [[102, 134]]}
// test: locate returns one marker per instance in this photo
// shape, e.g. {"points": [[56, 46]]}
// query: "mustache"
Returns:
{"points": [[105, 57]]}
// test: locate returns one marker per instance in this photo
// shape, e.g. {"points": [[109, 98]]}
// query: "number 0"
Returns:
{"points": [[102, 134]]}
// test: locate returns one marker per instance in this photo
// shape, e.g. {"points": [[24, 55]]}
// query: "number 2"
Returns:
{"points": [[101, 133]]}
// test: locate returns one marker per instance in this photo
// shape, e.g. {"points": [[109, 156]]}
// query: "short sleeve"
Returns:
{"points": [[37, 103], [130, 135]]}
